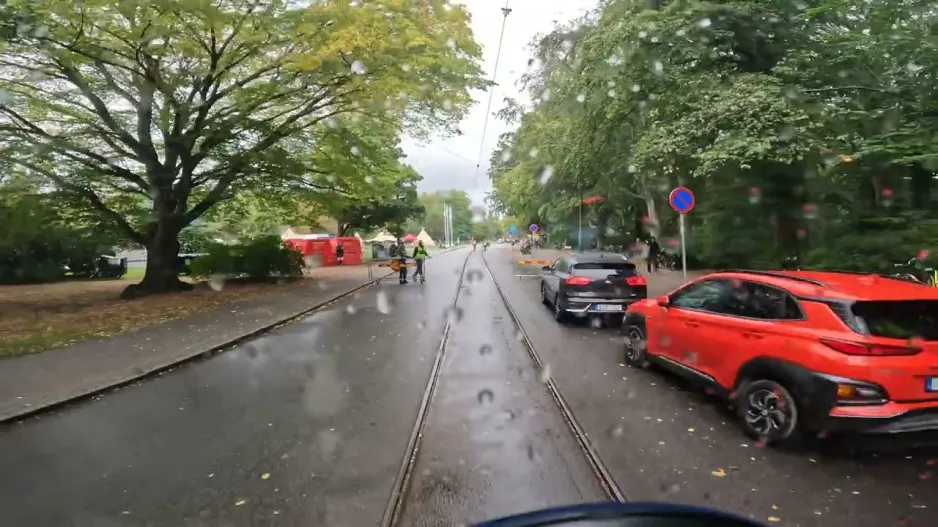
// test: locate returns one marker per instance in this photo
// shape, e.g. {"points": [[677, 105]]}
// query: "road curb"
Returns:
{"points": [[194, 357]]}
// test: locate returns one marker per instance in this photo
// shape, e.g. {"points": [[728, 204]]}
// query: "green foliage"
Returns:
{"points": [[152, 113], [42, 241], [259, 257], [800, 128], [432, 219]]}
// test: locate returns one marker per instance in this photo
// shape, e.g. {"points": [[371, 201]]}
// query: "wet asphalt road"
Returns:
{"points": [[661, 442], [309, 424], [306, 426]]}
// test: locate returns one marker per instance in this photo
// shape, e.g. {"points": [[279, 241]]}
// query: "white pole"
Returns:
{"points": [[683, 250], [446, 224]]}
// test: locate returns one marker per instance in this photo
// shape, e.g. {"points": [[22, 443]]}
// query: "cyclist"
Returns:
{"points": [[420, 254]]}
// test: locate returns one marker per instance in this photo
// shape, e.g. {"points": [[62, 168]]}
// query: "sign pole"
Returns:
{"points": [[682, 201], [683, 250]]}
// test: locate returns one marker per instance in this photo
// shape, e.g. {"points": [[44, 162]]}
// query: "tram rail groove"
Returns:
{"points": [[394, 507], [602, 473]]}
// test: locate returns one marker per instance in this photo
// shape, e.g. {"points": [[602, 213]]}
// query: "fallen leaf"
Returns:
{"points": [[266, 475], [774, 519], [240, 503], [718, 473]]}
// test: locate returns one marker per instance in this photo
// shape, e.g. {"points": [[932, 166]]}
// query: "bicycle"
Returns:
{"points": [[422, 272]]}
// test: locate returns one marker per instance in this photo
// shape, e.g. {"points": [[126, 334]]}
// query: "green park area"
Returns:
{"points": [[207, 127]]}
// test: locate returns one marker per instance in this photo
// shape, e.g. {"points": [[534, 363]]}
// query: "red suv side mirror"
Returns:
{"points": [[663, 301]]}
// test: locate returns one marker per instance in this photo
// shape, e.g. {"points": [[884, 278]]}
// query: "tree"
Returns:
{"points": [[433, 221], [184, 104], [811, 122], [390, 212]]}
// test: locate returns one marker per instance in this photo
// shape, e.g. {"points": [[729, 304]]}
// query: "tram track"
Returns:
{"points": [[402, 485], [399, 491]]}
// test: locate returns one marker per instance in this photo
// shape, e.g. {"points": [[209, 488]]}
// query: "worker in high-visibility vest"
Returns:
{"points": [[420, 254]]}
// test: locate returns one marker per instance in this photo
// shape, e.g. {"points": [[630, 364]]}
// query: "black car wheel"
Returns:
{"points": [[635, 354], [768, 411], [559, 314], [544, 299]]}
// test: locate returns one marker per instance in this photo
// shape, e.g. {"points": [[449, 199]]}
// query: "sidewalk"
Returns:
{"points": [[33, 382]]}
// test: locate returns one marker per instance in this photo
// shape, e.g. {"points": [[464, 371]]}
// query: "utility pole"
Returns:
{"points": [[579, 234], [445, 226]]}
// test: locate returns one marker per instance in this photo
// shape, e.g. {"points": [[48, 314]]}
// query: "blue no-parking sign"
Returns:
{"points": [[534, 228], [681, 200]]}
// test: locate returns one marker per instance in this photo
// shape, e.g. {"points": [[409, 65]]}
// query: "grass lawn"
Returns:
{"points": [[135, 273], [35, 318]]}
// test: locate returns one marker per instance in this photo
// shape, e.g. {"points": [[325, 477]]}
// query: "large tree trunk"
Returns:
{"points": [[162, 272]]}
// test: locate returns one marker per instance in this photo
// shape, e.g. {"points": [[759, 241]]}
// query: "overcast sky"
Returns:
{"points": [[451, 163]]}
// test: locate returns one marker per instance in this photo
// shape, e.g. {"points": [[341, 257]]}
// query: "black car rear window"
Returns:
{"points": [[603, 269], [899, 319]]}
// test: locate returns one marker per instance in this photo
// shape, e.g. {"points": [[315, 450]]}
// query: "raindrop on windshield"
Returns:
{"points": [[546, 174], [358, 67], [453, 315], [217, 283], [545, 373], [485, 350], [382, 302], [485, 396]]}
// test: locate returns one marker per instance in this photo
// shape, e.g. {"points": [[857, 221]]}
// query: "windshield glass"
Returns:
{"points": [[603, 269], [214, 310]]}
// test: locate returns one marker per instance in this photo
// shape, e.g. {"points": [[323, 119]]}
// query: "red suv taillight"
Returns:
{"points": [[869, 350], [636, 280], [579, 280]]}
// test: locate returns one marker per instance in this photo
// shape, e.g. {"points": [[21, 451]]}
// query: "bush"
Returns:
{"points": [[258, 257]]}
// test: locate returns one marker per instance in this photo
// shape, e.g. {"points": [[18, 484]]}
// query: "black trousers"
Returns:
{"points": [[403, 272], [652, 262]]}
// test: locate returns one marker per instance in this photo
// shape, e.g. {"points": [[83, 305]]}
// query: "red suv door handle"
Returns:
{"points": [[692, 324], [750, 335]]}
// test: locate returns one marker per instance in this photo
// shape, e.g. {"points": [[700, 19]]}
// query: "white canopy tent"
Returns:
{"points": [[383, 237], [426, 239]]}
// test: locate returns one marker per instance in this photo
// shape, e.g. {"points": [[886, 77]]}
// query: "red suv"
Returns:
{"points": [[800, 351]]}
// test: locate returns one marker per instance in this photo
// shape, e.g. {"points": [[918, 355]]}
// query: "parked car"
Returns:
{"points": [[799, 351], [592, 284]]}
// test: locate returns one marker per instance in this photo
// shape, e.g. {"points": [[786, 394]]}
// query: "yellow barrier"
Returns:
{"points": [[395, 265], [522, 261]]}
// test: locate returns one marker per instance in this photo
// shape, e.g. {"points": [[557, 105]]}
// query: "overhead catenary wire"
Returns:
{"points": [[488, 109]]}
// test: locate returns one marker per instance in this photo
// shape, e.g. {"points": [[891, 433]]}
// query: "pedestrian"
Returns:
{"points": [[654, 250], [402, 261], [339, 253]]}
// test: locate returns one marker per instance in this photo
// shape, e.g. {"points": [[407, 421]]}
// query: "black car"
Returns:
{"points": [[592, 284]]}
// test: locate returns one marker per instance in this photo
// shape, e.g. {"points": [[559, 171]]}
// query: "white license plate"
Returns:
{"points": [[607, 307], [931, 384]]}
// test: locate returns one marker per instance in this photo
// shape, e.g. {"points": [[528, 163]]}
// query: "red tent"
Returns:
{"points": [[409, 238]]}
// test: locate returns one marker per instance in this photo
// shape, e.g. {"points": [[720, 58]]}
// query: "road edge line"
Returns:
{"points": [[205, 354], [606, 480]]}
